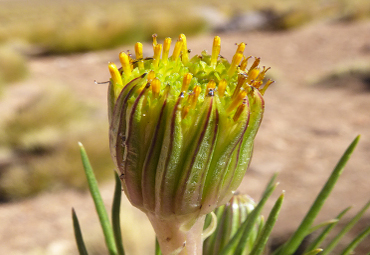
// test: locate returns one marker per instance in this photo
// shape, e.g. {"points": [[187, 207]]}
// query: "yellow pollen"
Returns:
{"points": [[211, 85], [177, 49], [157, 54], [255, 64], [154, 41], [238, 112], [116, 77], [244, 63], [235, 62], [139, 55], [185, 53], [156, 86], [125, 62], [252, 75], [238, 99], [166, 49], [221, 88], [267, 84], [241, 80], [215, 51], [186, 81]]}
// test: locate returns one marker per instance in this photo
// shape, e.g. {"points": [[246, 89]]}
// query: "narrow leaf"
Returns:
{"points": [[98, 201], [78, 235], [317, 242], [346, 228], [293, 243], [116, 209], [321, 225], [356, 241], [263, 238]]}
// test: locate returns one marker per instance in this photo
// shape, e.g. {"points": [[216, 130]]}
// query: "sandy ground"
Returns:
{"points": [[305, 130]]}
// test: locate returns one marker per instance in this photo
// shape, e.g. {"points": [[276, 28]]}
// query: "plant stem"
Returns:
{"points": [[175, 239]]}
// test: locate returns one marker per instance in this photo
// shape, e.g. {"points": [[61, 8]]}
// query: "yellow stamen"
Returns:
{"points": [[151, 76], [156, 86], [125, 62], [238, 112], [185, 53], [157, 54], [235, 62], [139, 55], [241, 47], [114, 73], [238, 99], [177, 49], [241, 81], [252, 75], [221, 88], [268, 83], [186, 81], [211, 85], [255, 64], [215, 51], [154, 41], [244, 63], [194, 96], [130, 59], [166, 49], [262, 74]]}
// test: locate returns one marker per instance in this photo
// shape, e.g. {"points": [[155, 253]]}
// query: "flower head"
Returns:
{"points": [[181, 127]]}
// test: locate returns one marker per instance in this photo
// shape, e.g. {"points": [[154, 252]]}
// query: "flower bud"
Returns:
{"points": [[229, 219], [182, 129]]}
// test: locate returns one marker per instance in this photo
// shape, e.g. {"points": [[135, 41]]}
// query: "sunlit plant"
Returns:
{"points": [[181, 137]]}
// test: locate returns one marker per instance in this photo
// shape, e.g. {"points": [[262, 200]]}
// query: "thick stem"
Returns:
{"points": [[174, 238]]}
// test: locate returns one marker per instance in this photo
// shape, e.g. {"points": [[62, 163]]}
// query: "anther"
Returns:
{"points": [[235, 62], [239, 111], [216, 48], [125, 62], [239, 98], [244, 63], [267, 84], [139, 55], [185, 54], [252, 75], [166, 49], [221, 88], [177, 49], [241, 81], [156, 85], [255, 64], [186, 81], [157, 54]]}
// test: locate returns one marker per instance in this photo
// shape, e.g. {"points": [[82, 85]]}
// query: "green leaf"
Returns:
{"points": [[78, 235], [321, 225], [346, 228], [116, 222], [356, 241], [293, 243], [317, 242], [263, 238], [240, 239], [98, 201]]}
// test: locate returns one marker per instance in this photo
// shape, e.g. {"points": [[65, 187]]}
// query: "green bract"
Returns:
{"points": [[181, 129]]}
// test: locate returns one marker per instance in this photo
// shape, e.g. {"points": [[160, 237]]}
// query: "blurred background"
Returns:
{"points": [[51, 52]]}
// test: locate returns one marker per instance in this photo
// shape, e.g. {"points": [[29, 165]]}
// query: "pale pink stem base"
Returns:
{"points": [[173, 238]]}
